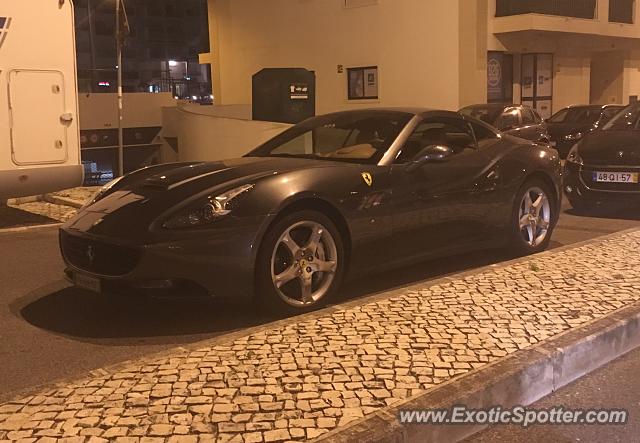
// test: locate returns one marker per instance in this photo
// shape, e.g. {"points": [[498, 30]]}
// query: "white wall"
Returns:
{"points": [[203, 136], [100, 111], [415, 44]]}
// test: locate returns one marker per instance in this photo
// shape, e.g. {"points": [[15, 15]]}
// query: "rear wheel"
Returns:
{"points": [[300, 264], [533, 217]]}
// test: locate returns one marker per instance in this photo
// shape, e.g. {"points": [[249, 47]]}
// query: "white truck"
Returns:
{"points": [[39, 131]]}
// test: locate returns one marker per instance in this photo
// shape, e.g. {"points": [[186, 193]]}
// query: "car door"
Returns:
{"points": [[441, 206], [532, 128]]}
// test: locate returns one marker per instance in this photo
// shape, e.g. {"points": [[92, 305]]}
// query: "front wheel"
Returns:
{"points": [[300, 264], [533, 218]]}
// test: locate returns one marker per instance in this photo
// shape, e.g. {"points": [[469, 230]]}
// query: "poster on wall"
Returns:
{"points": [[544, 75], [494, 77], [528, 74], [499, 77]]}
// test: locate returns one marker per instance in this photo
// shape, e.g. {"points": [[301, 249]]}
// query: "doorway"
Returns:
{"points": [[537, 82]]}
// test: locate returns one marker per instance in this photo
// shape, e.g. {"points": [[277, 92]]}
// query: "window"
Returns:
{"points": [[509, 119], [527, 116], [361, 138], [363, 83], [455, 134], [484, 136], [610, 112]]}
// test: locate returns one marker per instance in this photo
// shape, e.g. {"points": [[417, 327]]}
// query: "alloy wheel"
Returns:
{"points": [[534, 216], [304, 263]]}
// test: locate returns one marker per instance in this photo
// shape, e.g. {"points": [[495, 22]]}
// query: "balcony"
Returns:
{"points": [[566, 8], [603, 18]]}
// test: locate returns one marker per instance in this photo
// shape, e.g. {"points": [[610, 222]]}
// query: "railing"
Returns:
{"points": [[621, 11], [565, 8]]}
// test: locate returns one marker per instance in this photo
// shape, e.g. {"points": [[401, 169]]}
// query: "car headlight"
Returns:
{"points": [[574, 156], [102, 191], [574, 137], [207, 210]]}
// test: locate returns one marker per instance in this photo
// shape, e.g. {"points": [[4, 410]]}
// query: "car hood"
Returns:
{"points": [[130, 210], [611, 148]]}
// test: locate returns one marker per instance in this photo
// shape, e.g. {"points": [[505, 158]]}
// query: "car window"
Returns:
{"points": [[455, 134], [536, 116], [509, 119], [355, 137], [576, 115], [610, 112], [527, 116], [484, 136], [629, 118], [487, 114]]}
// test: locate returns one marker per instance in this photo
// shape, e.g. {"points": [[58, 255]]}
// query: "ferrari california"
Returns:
{"points": [[337, 195]]}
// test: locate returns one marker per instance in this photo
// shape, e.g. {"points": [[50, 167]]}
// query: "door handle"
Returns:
{"points": [[66, 118]]}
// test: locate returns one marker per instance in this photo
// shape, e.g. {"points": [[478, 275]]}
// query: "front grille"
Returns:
{"points": [[587, 177], [98, 257]]}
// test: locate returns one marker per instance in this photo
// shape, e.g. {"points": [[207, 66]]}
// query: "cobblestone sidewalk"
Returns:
{"points": [[297, 380], [55, 211]]}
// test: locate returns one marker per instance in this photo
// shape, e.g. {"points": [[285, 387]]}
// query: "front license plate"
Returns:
{"points": [[615, 177], [553, 144], [87, 282]]}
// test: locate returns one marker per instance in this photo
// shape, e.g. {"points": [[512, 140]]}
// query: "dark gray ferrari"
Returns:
{"points": [[342, 194]]}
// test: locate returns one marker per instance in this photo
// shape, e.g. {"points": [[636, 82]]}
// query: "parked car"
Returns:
{"points": [[604, 166], [344, 193], [517, 120], [567, 126]]}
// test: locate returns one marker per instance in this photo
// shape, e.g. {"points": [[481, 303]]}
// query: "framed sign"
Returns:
{"points": [[363, 83]]}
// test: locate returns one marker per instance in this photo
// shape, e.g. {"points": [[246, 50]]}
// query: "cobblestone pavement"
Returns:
{"points": [[58, 212], [298, 379], [80, 195]]}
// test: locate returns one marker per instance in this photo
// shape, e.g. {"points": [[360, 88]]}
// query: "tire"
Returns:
{"points": [[309, 272], [545, 218]]}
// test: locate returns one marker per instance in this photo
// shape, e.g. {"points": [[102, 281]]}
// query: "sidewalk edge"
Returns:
{"points": [[518, 379]]}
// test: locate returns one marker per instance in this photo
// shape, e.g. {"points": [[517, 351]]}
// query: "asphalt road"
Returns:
{"points": [[612, 387], [50, 331]]}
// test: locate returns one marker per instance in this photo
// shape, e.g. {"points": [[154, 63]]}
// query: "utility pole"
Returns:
{"points": [[120, 98]]}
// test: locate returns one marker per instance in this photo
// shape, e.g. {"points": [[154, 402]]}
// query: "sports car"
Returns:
{"points": [[604, 166], [336, 196]]}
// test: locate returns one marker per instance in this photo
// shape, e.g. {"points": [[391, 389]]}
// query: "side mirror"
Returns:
{"points": [[430, 154]]}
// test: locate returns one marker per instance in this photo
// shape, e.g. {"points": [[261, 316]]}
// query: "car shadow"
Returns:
{"points": [[121, 320]]}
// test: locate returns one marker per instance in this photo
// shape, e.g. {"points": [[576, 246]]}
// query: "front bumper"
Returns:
{"points": [[576, 187], [220, 262]]}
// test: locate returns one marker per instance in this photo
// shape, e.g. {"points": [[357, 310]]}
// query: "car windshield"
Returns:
{"points": [[358, 137], [487, 114], [576, 115], [627, 119]]}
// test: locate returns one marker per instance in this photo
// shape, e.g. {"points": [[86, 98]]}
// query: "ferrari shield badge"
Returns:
{"points": [[368, 179]]}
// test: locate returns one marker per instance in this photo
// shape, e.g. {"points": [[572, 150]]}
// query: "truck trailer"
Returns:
{"points": [[39, 130]]}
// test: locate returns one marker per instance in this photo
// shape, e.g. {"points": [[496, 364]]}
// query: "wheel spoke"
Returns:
{"points": [[524, 221], [286, 276], [537, 204], [307, 292], [314, 239], [324, 266], [543, 224], [531, 230], [291, 245]]}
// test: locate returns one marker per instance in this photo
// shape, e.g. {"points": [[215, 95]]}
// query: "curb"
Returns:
{"points": [[29, 228], [519, 379], [57, 200]]}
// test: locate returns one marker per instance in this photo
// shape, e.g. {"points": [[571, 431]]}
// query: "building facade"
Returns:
{"points": [[431, 53], [160, 53]]}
